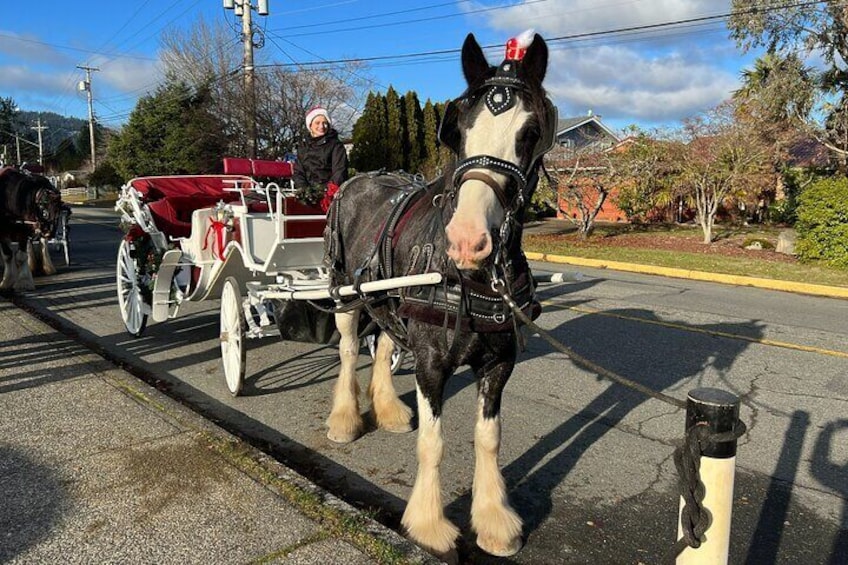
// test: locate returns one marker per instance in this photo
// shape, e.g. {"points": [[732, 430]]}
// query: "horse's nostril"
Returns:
{"points": [[482, 244]]}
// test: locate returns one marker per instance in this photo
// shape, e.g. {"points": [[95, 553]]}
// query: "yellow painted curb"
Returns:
{"points": [[771, 284]]}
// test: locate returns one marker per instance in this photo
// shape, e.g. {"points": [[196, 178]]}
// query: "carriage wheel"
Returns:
{"points": [[130, 298], [397, 352], [233, 352]]}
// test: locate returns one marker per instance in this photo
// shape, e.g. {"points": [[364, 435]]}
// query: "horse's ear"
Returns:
{"points": [[474, 63], [535, 62]]}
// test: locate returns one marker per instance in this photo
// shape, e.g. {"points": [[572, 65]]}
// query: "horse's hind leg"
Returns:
{"points": [[424, 517], [497, 525], [345, 422], [391, 414]]}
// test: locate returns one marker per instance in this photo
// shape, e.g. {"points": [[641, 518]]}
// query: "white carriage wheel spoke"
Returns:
{"points": [[130, 300], [232, 336]]}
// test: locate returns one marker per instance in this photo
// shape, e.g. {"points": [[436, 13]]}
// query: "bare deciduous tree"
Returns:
{"points": [[722, 161], [207, 55]]}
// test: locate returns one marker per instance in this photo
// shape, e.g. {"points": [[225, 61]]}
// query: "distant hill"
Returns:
{"points": [[59, 128]]}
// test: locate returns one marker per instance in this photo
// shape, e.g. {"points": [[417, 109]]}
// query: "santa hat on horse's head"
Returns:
{"points": [[517, 46], [314, 113]]}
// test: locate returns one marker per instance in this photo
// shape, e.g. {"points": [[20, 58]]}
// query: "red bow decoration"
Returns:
{"points": [[217, 228], [332, 189]]}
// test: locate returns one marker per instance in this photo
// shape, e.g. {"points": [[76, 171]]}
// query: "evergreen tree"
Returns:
{"points": [[170, 132], [444, 155], [394, 139], [414, 132], [369, 135], [431, 143], [9, 124]]}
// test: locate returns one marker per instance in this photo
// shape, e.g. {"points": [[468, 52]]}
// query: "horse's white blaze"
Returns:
{"points": [[424, 516], [497, 525], [478, 210], [392, 414], [345, 422]]}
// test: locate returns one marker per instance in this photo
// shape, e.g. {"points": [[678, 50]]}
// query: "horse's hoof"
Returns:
{"points": [[450, 557], [498, 548], [397, 427], [344, 427], [344, 437]]}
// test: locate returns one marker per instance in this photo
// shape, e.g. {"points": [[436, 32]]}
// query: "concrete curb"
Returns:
{"points": [[757, 282]]}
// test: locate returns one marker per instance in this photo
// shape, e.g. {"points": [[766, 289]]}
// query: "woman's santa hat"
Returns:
{"points": [[314, 113]]}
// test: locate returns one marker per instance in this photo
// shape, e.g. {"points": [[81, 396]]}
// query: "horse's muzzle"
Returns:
{"points": [[468, 249]]}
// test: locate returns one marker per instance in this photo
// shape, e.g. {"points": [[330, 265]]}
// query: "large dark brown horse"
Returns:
{"points": [[467, 226], [29, 207]]}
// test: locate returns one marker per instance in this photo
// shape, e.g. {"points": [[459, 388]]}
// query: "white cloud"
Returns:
{"points": [[130, 75], [624, 85], [651, 78], [565, 17], [29, 49]]}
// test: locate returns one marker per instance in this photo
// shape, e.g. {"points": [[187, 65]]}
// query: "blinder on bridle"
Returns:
{"points": [[47, 201], [499, 95]]}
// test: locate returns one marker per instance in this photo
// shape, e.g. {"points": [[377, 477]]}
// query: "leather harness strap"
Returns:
{"points": [[490, 182]]}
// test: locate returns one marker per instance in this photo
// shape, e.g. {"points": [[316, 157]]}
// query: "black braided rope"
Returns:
{"points": [[694, 518]]}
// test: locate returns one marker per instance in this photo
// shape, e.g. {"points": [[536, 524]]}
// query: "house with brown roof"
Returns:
{"points": [[583, 134], [580, 140]]}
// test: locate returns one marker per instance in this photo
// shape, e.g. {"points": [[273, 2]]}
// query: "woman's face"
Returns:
{"points": [[319, 126]]}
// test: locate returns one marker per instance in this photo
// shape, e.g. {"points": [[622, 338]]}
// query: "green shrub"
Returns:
{"points": [[822, 224], [782, 212]]}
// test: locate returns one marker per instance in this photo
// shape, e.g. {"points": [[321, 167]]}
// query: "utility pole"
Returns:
{"points": [[86, 86], [39, 128], [243, 10]]}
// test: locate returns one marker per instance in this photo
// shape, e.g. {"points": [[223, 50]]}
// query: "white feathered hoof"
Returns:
{"points": [[498, 548], [498, 530], [344, 427]]}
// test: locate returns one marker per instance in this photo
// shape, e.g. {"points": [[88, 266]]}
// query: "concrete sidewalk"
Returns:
{"points": [[98, 467]]}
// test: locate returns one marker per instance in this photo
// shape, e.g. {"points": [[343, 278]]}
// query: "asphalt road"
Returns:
{"points": [[588, 463]]}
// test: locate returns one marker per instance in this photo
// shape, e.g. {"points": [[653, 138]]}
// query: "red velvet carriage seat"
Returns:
{"points": [[172, 199]]}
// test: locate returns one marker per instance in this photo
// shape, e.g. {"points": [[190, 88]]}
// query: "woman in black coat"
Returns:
{"points": [[321, 160]]}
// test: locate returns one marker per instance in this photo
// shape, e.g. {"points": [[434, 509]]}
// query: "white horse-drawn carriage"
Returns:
{"points": [[242, 237]]}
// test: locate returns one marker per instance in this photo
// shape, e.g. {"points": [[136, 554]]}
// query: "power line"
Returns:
{"points": [[571, 37], [415, 21], [382, 15]]}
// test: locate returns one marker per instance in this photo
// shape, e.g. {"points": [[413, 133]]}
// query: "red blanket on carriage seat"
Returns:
{"points": [[172, 199]]}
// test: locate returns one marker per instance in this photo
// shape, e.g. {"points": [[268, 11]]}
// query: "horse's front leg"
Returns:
{"points": [[497, 525], [424, 517], [10, 272], [47, 265], [391, 413], [345, 421], [21, 259]]}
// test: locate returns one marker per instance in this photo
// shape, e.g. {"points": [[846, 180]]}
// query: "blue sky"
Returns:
{"points": [[648, 77]]}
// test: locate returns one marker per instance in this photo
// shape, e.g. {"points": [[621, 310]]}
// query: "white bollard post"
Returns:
{"points": [[719, 410]]}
